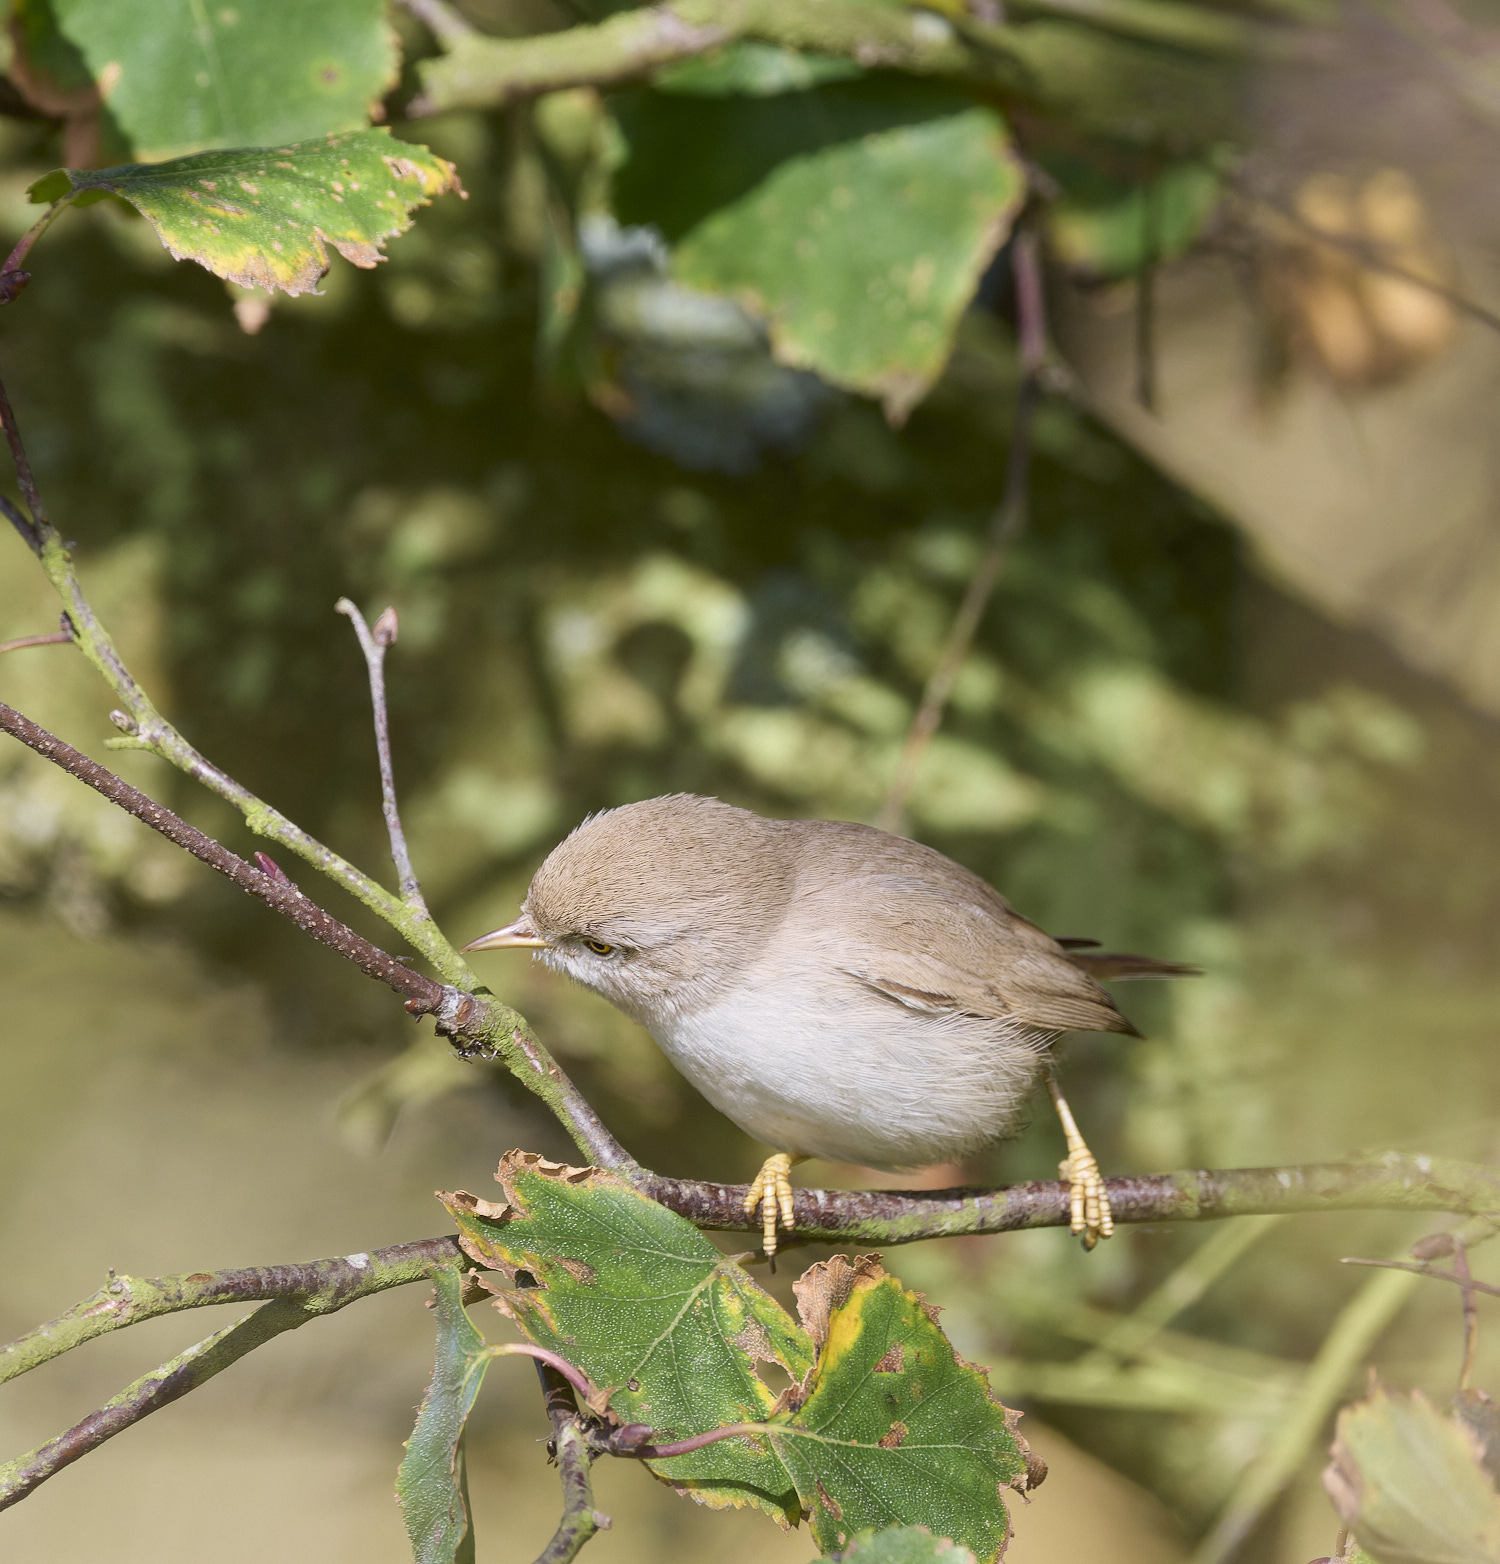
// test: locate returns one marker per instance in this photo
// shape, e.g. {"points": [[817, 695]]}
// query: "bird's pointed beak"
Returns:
{"points": [[520, 935]]}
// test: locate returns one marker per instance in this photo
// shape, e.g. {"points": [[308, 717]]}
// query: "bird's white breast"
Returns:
{"points": [[832, 1069]]}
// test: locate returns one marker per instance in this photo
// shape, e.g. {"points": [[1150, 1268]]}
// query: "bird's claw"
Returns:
{"points": [[772, 1192], [1088, 1199]]}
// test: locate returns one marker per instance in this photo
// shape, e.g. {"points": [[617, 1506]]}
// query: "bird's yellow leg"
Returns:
{"points": [[772, 1192], [1087, 1196]]}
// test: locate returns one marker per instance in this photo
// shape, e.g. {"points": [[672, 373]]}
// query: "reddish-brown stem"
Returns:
{"points": [[425, 996], [56, 638]]}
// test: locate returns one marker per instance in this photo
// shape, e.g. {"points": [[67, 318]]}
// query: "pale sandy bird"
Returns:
{"points": [[836, 991]]}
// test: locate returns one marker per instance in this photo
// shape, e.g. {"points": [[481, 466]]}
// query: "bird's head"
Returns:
{"points": [[658, 906]]}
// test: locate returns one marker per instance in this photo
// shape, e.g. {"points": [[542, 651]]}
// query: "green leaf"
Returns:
{"points": [[179, 76], [431, 1483], [1107, 227], [1408, 1483], [761, 70], [896, 1429], [901, 1545], [862, 256], [263, 216], [639, 1300]]}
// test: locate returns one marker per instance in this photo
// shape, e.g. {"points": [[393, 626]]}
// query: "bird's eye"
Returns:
{"points": [[598, 947]]}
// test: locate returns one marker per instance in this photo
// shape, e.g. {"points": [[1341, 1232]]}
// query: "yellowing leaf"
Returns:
{"points": [[895, 1429], [264, 216], [638, 1298], [1408, 1483]]}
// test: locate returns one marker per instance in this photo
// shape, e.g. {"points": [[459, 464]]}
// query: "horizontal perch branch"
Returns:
{"points": [[484, 72], [299, 1293], [1393, 1182]]}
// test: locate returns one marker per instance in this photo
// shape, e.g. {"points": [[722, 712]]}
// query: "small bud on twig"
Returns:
{"points": [[268, 866], [1433, 1247], [123, 721], [385, 629]]}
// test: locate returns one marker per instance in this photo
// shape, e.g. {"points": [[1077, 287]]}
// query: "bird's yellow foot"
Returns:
{"points": [[1089, 1214], [772, 1192], [1088, 1199]]}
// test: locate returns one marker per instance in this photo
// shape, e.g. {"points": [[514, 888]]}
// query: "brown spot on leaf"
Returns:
{"points": [[829, 1503], [892, 1440], [753, 1341], [894, 1360], [577, 1269], [792, 1399], [632, 1384], [826, 1286]]}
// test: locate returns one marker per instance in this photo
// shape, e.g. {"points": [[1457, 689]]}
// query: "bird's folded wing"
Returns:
{"points": [[943, 949]]}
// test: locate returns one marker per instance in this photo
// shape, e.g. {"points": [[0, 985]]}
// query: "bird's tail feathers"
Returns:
{"points": [[1103, 965]]}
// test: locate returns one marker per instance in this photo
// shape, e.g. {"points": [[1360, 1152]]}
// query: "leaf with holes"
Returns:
{"points": [[1409, 1483], [637, 1298], [895, 1428], [431, 1485], [169, 77], [265, 216]]}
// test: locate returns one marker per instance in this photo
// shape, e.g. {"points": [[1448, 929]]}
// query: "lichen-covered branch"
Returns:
{"points": [[479, 1026], [574, 1455], [298, 1293], [1396, 1181], [146, 728], [317, 1286], [424, 996], [484, 72]]}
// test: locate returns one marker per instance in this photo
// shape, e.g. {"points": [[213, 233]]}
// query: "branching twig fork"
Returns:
{"points": [[423, 995], [298, 1294]]}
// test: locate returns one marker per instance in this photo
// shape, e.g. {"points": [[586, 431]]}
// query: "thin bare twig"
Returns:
{"points": [[423, 995], [1007, 522], [56, 638], [1420, 1268], [12, 278], [1471, 1314], [373, 643], [22, 523], [298, 1294]]}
